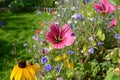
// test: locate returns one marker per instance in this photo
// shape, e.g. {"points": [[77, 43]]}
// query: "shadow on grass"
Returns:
{"points": [[5, 56], [17, 21]]}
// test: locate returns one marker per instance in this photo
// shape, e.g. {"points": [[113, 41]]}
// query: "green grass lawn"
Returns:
{"points": [[19, 29]]}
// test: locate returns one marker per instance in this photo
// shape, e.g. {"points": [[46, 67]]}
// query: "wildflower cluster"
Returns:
{"points": [[82, 42]]}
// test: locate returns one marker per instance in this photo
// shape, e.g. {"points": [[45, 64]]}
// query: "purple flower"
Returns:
{"points": [[39, 12], [34, 46], [57, 69], [77, 16], [45, 50], [44, 60], [70, 52], [35, 37], [117, 36], [91, 50], [48, 67], [100, 43], [73, 34], [87, 1]]}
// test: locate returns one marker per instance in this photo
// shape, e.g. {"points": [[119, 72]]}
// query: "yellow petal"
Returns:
{"points": [[23, 75], [18, 76], [58, 58], [36, 68], [70, 65], [13, 72], [65, 56], [31, 73]]}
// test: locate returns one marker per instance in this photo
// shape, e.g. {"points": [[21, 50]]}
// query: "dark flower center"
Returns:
{"points": [[58, 39], [22, 64]]}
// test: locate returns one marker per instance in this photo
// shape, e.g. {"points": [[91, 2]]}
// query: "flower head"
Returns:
{"points": [[57, 69], [113, 23], [45, 50], [39, 12], [60, 37], [44, 60], [77, 16], [117, 36], [70, 52], [91, 50], [37, 31], [104, 7], [35, 37], [48, 67], [22, 71], [100, 43]]}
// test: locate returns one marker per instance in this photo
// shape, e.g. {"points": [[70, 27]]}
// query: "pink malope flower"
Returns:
{"points": [[113, 23], [60, 37], [104, 7]]}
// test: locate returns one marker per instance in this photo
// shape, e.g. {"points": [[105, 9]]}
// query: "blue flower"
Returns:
{"points": [[86, 1], [39, 12], [91, 50], [44, 60], [57, 69], [70, 52], [79, 16], [100, 43], [117, 36], [72, 26], [48, 67]]}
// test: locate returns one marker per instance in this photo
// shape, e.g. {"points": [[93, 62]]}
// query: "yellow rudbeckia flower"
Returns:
{"points": [[35, 67], [22, 71]]}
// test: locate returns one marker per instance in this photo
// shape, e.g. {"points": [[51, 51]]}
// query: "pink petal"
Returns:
{"points": [[98, 7], [66, 30], [113, 23], [50, 37], [118, 7], [111, 8], [59, 45], [68, 40], [55, 29]]}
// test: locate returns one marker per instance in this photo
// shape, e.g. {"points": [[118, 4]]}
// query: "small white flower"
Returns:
{"points": [[69, 22], [76, 21], [73, 8]]}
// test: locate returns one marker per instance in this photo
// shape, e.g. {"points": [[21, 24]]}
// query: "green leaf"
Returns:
{"points": [[109, 74], [102, 37], [85, 48], [99, 33]]}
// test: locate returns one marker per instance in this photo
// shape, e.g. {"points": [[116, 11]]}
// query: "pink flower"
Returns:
{"points": [[60, 37], [104, 7], [118, 7], [113, 23]]}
